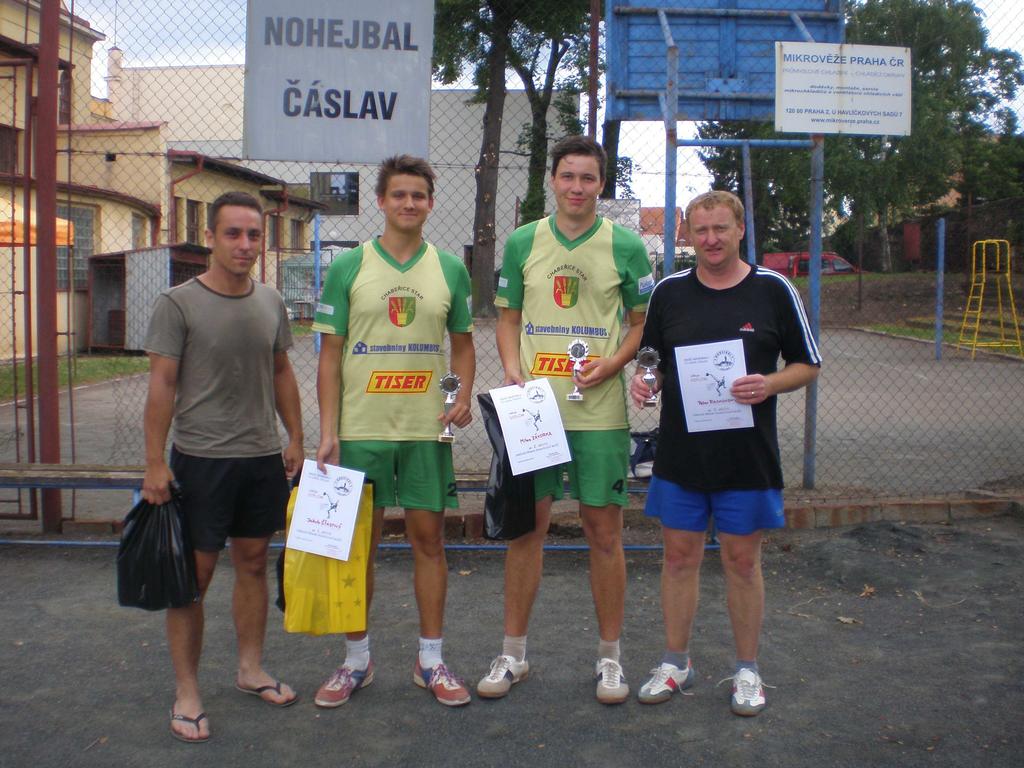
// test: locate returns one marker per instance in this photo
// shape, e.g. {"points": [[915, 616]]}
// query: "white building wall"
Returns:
{"points": [[202, 108]]}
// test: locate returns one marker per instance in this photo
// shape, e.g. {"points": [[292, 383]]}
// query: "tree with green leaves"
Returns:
{"points": [[476, 34], [545, 45], [549, 54], [963, 135]]}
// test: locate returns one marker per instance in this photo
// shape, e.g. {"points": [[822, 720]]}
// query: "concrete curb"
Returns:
{"points": [[803, 516], [469, 524]]}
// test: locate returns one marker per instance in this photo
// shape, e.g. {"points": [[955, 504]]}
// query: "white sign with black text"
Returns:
{"points": [[839, 88], [531, 425], [326, 508], [337, 80], [706, 374]]}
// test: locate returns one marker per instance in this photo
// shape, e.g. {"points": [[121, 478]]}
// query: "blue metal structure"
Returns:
{"points": [[715, 60], [316, 272], [725, 69]]}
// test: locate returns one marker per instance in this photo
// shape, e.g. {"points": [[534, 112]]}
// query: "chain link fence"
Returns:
{"points": [[151, 133]]}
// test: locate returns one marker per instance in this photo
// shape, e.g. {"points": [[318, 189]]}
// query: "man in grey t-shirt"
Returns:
{"points": [[219, 370]]}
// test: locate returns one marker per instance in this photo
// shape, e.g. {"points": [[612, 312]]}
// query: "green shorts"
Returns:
{"points": [[597, 472], [409, 474]]}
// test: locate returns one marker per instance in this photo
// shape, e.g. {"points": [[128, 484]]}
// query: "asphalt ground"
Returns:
{"points": [[887, 644]]}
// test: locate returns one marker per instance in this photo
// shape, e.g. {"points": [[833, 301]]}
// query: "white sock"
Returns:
{"points": [[514, 647], [357, 653], [608, 649], [430, 652]]}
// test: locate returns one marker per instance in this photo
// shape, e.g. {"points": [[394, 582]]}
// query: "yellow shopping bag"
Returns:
{"points": [[326, 596]]}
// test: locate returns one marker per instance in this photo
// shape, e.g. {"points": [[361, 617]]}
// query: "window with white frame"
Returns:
{"points": [[8, 149], [274, 231], [83, 219], [298, 235], [339, 192], [193, 222], [140, 237]]}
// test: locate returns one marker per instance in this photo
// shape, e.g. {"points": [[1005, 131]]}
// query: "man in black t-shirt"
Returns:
{"points": [[706, 465]]}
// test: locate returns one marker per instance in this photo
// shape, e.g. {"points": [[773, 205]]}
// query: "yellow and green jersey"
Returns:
{"points": [[393, 317], [575, 289]]}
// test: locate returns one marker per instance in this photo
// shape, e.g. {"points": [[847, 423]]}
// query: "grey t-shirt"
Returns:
{"points": [[225, 347]]}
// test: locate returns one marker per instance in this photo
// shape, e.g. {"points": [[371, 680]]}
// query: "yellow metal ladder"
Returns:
{"points": [[997, 254]]}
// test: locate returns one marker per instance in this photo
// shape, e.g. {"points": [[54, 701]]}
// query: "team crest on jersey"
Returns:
{"points": [[566, 291], [401, 310]]}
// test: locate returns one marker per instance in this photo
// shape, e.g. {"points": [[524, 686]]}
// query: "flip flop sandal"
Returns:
{"points": [[276, 688], [194, 722]]}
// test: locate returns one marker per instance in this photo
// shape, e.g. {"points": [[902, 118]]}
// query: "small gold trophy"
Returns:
{"points": [[648, 359], [450, 384], [578, 351]]}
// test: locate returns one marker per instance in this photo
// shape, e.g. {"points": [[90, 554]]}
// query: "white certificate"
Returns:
{"points": [[706, 372], [326, 507], [531, 425]]}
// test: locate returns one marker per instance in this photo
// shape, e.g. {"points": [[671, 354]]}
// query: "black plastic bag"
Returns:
{"points": [[641, 462], [509, 508], [156, 566], [279, 568]]}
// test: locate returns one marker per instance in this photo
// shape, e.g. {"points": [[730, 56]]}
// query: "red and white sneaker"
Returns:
{"points": [[340, 686], [747, 693], [666, 679], [446, 687]]}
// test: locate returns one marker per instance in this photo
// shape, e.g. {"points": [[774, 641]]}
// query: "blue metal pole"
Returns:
{"points": [[748, 204], [671, 161], [316, 274], [669, 106], [817, 211], [940, 282]]}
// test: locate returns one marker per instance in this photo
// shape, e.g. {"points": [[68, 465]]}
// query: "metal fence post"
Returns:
{"points": [[940, 282], [748, 204], [814, 287]]}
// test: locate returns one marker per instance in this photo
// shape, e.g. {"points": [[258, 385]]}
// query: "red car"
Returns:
{"points": [[797, 263]]}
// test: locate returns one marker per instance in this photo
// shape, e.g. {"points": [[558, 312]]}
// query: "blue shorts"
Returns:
{"points": [[737, 512]]}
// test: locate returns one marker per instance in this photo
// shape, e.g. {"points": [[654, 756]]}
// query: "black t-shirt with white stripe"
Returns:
{"points": [[765, 312]]}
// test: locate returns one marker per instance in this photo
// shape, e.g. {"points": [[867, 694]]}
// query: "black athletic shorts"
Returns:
{"points": [[240, 498]]}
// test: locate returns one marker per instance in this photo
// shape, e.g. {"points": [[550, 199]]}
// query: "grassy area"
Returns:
{"points": [[87, 369], [914, 332], [867, 277]]}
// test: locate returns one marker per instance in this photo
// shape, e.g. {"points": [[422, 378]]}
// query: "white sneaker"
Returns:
{"points": [[611, 683], [747, 693], [666, 679], [505, 672]]}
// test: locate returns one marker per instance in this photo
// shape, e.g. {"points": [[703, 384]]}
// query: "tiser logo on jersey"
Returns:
{"points": [[401, 310], [566, 291], [548, 364], [398, 382]]}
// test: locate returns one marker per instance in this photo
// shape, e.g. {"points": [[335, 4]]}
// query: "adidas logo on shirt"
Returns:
{"points": [[747, 328]]}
